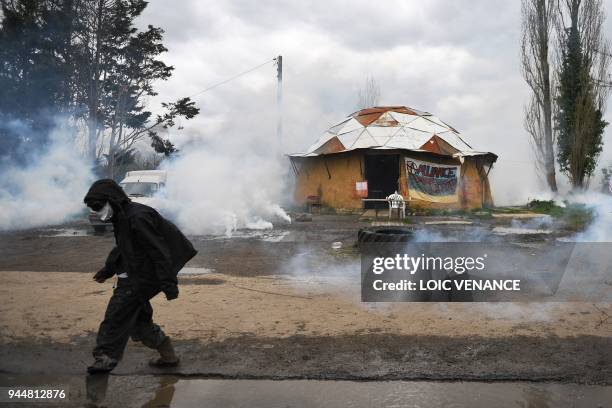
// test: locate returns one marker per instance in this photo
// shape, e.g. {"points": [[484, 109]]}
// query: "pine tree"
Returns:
{"points": [[579, 122]]}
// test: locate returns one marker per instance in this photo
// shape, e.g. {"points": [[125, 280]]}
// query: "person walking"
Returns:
{"points": [[149, 253]]}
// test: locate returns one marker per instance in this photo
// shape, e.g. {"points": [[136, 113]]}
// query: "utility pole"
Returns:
{"points": [[279, 103]]}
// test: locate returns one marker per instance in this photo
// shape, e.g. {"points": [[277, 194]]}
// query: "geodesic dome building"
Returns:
{"points": [[376, 151]]}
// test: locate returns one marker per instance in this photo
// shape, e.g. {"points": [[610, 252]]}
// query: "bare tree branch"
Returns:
{"points": [[368, 96], [538, 19]]}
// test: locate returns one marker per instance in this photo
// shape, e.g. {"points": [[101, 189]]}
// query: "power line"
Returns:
{"points": [[232, 78]]}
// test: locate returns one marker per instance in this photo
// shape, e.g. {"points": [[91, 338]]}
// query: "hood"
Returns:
{"points": [[107, 190]]}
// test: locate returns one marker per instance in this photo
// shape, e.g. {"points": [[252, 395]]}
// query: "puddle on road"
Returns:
{"points": [[542, 225], [187, 393], [66, 232], [267, 235], [519, 231], [195, 271], [202, 281], [449, 222], [171, 391]]}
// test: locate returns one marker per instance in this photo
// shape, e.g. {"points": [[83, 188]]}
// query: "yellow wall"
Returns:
{"points": [[333, 177], [339, 190]]}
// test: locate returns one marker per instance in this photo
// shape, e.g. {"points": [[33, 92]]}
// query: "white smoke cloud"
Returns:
{"points": [[47, 191], [222, 190], [600, 230]]}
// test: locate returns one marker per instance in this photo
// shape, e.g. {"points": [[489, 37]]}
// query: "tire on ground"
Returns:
{"points": [[384, 234]]}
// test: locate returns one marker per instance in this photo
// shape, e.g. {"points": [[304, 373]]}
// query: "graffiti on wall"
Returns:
{"points": [[432, 181]]}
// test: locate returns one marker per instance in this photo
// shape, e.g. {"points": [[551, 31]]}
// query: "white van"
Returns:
{"points": [[140, 186]]}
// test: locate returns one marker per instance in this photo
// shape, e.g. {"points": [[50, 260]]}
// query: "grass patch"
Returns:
{"points": [[433, 212], [546, 207], [508, 210], [571, 216], [478, 213], [575, 217]]}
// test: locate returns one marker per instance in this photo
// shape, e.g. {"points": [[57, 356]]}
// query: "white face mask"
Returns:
{"points": [[105, 213]]}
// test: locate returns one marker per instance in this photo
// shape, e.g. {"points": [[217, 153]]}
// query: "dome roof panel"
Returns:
{"points": [[390, 127]]}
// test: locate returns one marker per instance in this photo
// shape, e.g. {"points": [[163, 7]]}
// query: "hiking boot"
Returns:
{"points": [[167, 356], [102, 364]]}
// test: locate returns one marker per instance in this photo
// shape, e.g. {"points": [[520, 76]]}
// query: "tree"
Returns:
{"points": [[117, 68], [369, 94], [537, 25], [606, 174], [163, 146], [141, 126], [581, 94], [184, 107], [35, 77], [123, 65], [86, 61]]}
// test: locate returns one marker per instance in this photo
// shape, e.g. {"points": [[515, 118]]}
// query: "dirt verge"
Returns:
{"points": [[584, 359]]}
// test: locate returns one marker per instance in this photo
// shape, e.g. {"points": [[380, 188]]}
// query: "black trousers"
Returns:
{"points": [[127, 315]]}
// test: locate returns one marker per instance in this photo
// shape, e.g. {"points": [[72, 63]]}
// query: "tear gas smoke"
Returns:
{"points": [[469, 234], [312, 267], [212, 192], [600, 229], [49, 189]]}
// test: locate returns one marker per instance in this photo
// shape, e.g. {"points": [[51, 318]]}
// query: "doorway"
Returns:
{"points": [[382, 174]]}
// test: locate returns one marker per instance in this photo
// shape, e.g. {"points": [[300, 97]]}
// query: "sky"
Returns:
{"points": [[457, 60]]}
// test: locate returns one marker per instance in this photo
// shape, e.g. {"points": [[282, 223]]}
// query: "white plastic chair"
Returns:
{"points": [[397, 202]]}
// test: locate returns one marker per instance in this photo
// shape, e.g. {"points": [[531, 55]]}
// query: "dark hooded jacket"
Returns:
{"points": [[149, 248]]}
